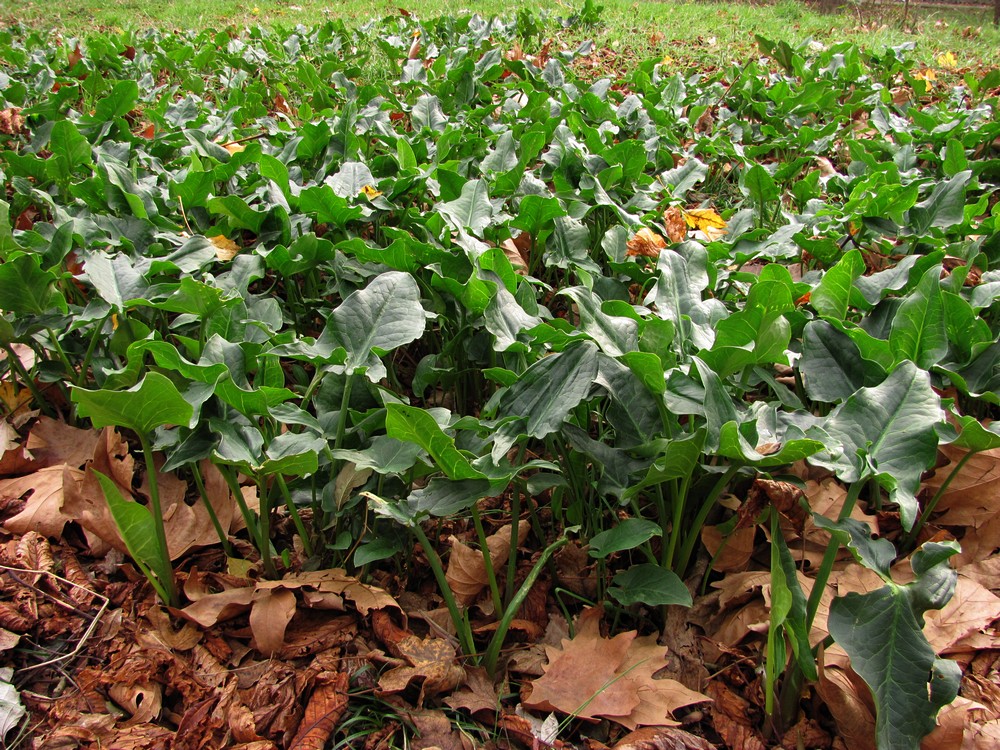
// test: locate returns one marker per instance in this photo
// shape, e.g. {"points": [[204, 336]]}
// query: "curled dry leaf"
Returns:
{"points": [[732, 718], [43, 512], [645, 243], [323, 712], [662, 738], [673, 222], [277, 603], [466, 572], [11, 122], [431, 661], [225, 248], [707, 221]]}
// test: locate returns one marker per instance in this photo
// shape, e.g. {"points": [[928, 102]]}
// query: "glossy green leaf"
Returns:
{"points": [[417, 426], [624, 535], [373, 321], [26, 289], [887, 432], [919, 332], [138, 530], [882, 632], [153, 403], [651, 585]]}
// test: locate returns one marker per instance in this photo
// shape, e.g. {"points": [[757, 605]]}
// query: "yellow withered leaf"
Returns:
{"points": [[703, 219], [646, 243], [234, 148], [948, 60], [370, 192], [225, 248]]}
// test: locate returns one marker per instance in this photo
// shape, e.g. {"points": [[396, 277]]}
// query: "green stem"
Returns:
{"points": [[199, 482], [248, 518], [462, 627], [928, 510], [60, 352], [94, 338], [265, 529], [826, 567], [515, 523], [680, 503], [161, 533], [693, 533], [496, 643], [296, 518], [491, 575]]}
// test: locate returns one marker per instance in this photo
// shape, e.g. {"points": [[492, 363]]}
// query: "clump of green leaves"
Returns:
{"points": [[380, 304]]}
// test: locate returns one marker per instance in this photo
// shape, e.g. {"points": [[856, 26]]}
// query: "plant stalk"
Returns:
{"points": [[462, 627], [161, 533]]}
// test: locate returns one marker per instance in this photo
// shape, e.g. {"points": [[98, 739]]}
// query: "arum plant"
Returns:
{"points": [[152, 403], [887, 435]]}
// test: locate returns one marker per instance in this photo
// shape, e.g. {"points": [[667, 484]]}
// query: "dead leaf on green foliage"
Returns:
{"points": [[707, 221], [673, 222], [225, 248], [645, 243], [594, 677], [466, 572]]}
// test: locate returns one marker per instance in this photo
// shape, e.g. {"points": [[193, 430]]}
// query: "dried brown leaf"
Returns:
{"points": [[478, 695], [466, 572], [326, 706], [731, 552], [43, 512], [225, 248], [732, 718], [673, 221], [645, 243], [270, 614], [595, 677], [662, 738], [52, 442]]}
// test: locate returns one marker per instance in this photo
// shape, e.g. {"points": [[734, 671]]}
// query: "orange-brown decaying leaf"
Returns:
{"points": [[673, 222], [645, 243], [327, 704]]}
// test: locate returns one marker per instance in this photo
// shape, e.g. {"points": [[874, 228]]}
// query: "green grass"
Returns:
{"points": [[704, 35]]}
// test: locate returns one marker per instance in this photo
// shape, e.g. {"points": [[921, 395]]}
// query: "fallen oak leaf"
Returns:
{"points": [[466, 572], [662, 738], [592, 677]]}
